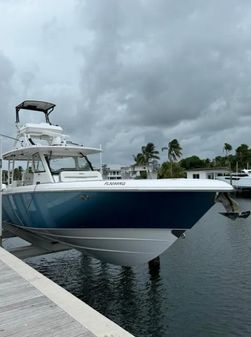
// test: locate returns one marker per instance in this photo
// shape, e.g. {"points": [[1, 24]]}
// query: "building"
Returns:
{"points": [[112, 172], [207, 173], [117, 172]]}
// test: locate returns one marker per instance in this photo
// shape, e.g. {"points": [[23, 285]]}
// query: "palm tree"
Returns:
{"points": [[149, 153], [139, 159], [227, 148], [174, 151]]}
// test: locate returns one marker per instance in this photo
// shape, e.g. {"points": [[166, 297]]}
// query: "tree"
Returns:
{"points": [[171, 170], [207, 162], [18, 173], [243, 155], [174, 151], [192, 162], [139, 159], [148, 154], [227, 148], [219, 161]]}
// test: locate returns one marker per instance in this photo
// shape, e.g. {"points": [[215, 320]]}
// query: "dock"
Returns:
{"points": [[33, 305]]}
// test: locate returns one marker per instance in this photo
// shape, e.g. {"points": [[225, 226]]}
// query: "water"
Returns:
{"points": [[203, 287]]}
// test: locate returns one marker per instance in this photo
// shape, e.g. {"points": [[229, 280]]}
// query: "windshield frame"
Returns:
{"points": [[76, 160]]}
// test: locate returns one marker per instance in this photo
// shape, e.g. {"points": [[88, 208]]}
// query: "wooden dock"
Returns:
{"points": [[32, 305]]}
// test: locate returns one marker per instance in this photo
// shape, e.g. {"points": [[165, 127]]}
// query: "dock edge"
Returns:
{"points": [[91, 319]]}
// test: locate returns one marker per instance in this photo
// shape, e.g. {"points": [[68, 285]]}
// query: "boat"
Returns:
{"points": [[239, 180], [54, 191]]}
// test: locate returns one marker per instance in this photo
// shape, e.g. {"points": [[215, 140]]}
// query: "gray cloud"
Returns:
{"points": [[124, 73], [6, 71], [7, 93], [152, 65]]}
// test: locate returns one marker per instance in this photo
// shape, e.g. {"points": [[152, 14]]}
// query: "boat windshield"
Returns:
{"points": [[58, 164]]}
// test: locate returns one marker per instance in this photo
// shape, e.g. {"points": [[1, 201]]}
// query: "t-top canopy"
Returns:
{"points": [[26, 153], [45, 107]]}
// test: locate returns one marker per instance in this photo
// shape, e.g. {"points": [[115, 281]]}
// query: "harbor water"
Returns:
{"points": [[203, 286]]}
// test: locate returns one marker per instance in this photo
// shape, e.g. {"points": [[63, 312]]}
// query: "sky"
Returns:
{"points": [[127, 72]]}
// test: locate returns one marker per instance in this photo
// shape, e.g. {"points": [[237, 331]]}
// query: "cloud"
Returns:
{"points": [[7, 93], [124, 73], [157, 65]]}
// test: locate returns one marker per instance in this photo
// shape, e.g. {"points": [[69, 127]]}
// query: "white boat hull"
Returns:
{"points": [[238, 182], [118, 246], [126, 223]]}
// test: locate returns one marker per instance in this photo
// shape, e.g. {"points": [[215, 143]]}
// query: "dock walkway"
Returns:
{"points": [[32, 305]]}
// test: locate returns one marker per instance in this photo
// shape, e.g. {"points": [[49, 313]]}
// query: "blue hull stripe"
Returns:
{"points": [[106, 209]]}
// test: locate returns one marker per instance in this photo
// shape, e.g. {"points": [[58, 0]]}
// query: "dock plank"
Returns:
{"points": [[33, 305], [26, 312]]}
